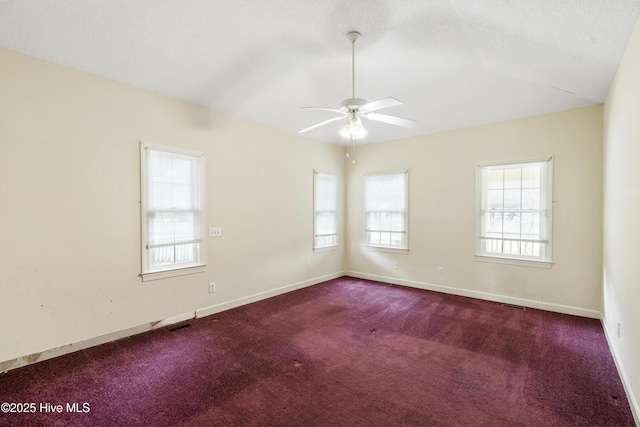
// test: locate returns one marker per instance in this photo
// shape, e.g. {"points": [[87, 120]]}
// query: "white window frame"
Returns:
{"points": [[545, 211], [319, 209], [403, 211], [153, 272]]}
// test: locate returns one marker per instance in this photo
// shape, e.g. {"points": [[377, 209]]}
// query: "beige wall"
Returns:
{"points": [[621, 262], [70, 207], [442, 185], [70, 198]]}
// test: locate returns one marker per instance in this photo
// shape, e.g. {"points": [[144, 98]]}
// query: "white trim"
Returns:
{"points": [[381, 248], [146, 273], [391, 250], [217, 308], [325, 248], [633, 403], [547, 184], [515, 162], [558, 308], [171, 149], [315, 213], [514, 261], [174, 272], [19, 362]]}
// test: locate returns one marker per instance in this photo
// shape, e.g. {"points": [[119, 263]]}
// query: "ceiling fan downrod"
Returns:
{"points": [[353, 36]]}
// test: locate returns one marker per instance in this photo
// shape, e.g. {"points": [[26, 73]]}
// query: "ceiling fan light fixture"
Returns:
{"points": [[353, 109], [353, 129]]}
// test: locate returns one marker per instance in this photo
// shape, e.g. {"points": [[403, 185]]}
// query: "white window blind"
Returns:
{"points": [[515, 210], [172, 208], [325, 207], [386, 210]]}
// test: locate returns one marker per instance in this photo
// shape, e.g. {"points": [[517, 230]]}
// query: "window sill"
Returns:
{"points": [[164, 274], [514, 261], [325, 248], [403, 251]]}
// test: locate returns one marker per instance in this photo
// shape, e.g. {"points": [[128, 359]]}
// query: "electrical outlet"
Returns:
{"points": [[308, 266], [212, 287], [440, 271], [618, 329], [396, 265]]}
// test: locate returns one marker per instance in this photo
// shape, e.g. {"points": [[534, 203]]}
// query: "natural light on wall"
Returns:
{"points": [[514, 215]]}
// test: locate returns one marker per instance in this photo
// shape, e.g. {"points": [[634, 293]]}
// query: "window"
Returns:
{"points": [[325, 202], [386, 203], [514, 214], [171, 211]]}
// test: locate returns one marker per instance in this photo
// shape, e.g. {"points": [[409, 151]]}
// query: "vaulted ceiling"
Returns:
{"points": [[453, 63]]}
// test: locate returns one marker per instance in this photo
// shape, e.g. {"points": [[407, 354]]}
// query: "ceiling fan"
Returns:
{"points": [[353, 109]]}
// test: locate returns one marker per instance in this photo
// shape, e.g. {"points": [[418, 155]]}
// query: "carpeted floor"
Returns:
{"points": [[347, 352]]}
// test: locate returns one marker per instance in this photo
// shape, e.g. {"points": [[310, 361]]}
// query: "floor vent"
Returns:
{"points": [[517, 307], [177, 328]]}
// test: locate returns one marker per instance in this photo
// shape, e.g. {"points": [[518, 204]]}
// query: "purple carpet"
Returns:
{"points": [[346, 352]]}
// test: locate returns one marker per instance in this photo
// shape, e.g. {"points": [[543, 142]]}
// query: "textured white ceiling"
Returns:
{"points": [[453, 63]]}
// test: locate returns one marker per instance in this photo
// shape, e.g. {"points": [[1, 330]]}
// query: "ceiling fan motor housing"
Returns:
{"points": [[353, 103]]}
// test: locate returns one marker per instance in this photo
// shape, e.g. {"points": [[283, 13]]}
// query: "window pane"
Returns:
{"points": [[493, 246], [531, 198], [496, 179], [373, 221], [177, 254], [511, 223], [512, 199], [397, 239], [511, 247], [325, 206], [385, 238], [172, 202], [504, 228], [385, 192], [386, 210], [512, 178], [325, 223], [494, 222], [374, 238], [531, 177], [496, 199], [531, 225], [397, 222]]}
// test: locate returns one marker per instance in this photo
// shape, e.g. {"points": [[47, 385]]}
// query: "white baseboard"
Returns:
{"points": [[18, 362], [91, 342], [217, 308], [633, 402], [558, 308]]}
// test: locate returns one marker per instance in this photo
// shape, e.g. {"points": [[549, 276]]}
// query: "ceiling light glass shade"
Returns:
{"points": [[353, 129]]}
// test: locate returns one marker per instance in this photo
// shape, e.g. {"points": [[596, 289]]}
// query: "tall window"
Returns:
{"points": [[515, 210], [325, 205], [171, 208], [386, 200]]}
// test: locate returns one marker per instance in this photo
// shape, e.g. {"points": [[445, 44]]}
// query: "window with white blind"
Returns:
{"points": [[172, 187], [515, 210], [325, 204], [386, 210]]}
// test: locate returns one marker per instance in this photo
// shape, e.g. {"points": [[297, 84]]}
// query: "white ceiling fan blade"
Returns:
{"points": [[393, 120], [320, 124], [381, 103], [335, 110]]}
